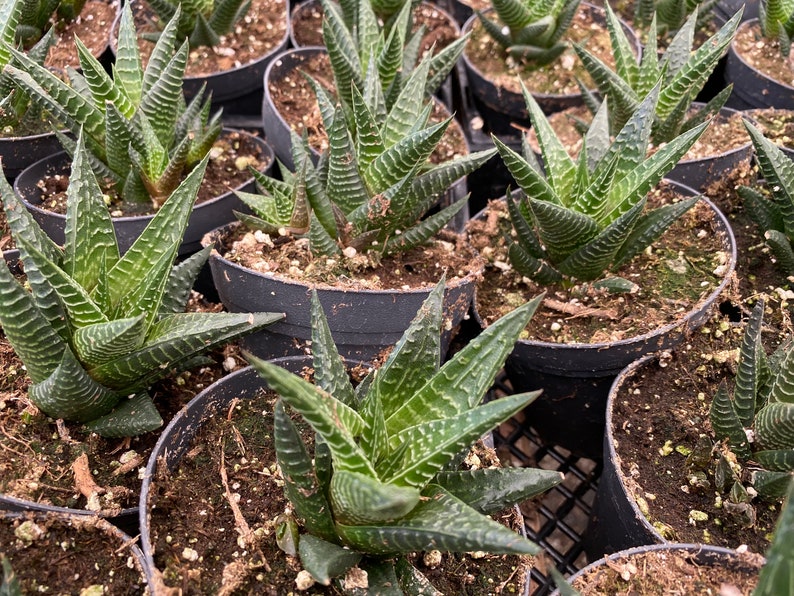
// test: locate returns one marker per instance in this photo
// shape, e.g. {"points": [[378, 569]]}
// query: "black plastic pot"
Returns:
{"points": [[699, 173], [698, 554], [122, 541], [725, 9], [362, 322], [18, 153], [752, 88], [205, 216], [177, 437], [576, 378], [503, 109]]}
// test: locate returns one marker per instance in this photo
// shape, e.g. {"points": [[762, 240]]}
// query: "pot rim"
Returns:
{"points": [[738, 56]]}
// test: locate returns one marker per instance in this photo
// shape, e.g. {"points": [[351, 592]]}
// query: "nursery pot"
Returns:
{"points": [[362, 322], [204, 217], [20, 152], [752, 88], [576, 377], [120, 552], [503, 109], [699, 555], [180, 435]]}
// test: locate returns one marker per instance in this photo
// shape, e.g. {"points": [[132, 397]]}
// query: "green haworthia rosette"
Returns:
{"points": [[583, 219], [776, 18], [773, 212], [201, 22], [681, 70], [761, 408], [96, 329], [391, 442], [670, 15], [531, 30], [140, 134]]}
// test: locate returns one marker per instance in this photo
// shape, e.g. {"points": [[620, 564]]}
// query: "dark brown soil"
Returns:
{"points": [[653, 442], [230, 157], [692, 249], [39, 454], [75, 558], [197, 534], [763, 54], [307, 25], [92, 27], [559, 77], [777, 125], [257, 34], [296, 102], [661, 573], [290, 258]]}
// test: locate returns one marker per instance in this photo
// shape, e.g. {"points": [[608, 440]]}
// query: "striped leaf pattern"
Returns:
{"points": [[408, 423], [97, 328]]}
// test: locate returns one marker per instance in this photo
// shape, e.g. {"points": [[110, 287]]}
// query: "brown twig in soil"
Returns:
{"points": [[578, 310], [83, 479], [240, 524], [63, 432]]}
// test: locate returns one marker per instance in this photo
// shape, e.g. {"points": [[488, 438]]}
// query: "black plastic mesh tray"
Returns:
{"points": [[557, 519]]}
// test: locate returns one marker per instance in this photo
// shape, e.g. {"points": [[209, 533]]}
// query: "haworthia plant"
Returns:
{"points": [[372, 187], [773, 211], [756, 422], [586, 218], [40, 16], [385, 479], [95, 329], [776, 18], [139, 133], [531, 30], [681, 71], [202, 22]]}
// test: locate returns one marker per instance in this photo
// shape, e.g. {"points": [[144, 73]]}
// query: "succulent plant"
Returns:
{"points": [[385, 477], [584, 219], [754, 425], [670, 15], [776, 19], [96, 329], [773, 214], [681, 70], [531, 30], [371, 188], [202, 22], [368, 48], [140, 134]]}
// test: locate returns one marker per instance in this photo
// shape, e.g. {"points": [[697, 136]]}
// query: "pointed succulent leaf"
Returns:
{"points": [[649, 228], [301, 486], [594, 258], [408, 106], [180, 281], [360, 499], [532, 267], [726, 423], [490, 490], [70, 393], [494, 30], [368, 139], [128, 66], [439, 521], [36, 343], [102, 342], [425, 229], [771, 485], [525, 234], [335, 422], [415, 358], [777, 460], [174, 341], [330, 374], [345, 186], [344, 58], [132, 417], [748, 374], [531, 181], [159, 102], [90, 239], [461, 382], [101, 86], [780, 246], [562, 231], [325, 560], [10, 12], [774, 425]]}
